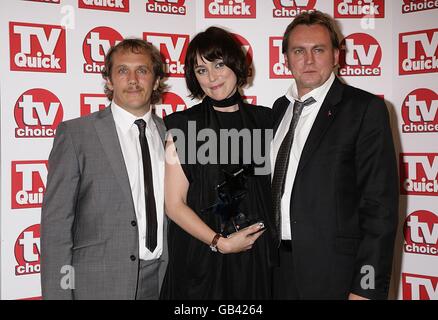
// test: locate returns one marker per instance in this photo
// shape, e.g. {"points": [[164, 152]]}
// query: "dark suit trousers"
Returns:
{"points": [[284, 284]]}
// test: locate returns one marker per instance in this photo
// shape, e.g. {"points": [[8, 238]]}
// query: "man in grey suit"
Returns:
{"points": [[103, 222]]}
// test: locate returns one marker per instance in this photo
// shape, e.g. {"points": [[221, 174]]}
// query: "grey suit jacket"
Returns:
{"points": [[88, 213]]}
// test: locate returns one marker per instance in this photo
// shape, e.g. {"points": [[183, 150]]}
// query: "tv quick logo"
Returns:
{"points": [[166, 6], [170, 103], [277, 63], [37, 47], [420, 111], [37, 114], [28, 183], [418, 52], [27, 251], [173, 48], [421, 233], [108, 5], [230, 9], [247, 49], [292, 8], [360, 55], [96, 44], [419, 174], [409, 6], [250, 99], [359, 8], [419, 287], [92, 102]]}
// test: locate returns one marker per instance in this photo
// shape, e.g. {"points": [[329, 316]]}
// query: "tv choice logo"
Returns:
{"points": [[28, 183], [419, 174], [108, 5], [292, 8], [420, 111], [230, 9], [173, 49], [418, 52], [176, 7], [96, 44], [247, 49], [419, 287], [421, 233], [359, 8], [277, 63], [37, 113], [409, 6], [92, 102], [27, 251], [170, 103], [37, 47], [360, 55]]}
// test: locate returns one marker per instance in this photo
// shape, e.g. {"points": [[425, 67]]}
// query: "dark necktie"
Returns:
{"points": [[151, 212], [282, 162]]}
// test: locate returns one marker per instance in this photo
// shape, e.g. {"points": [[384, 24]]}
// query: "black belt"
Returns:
{"points": [[286, 244]]}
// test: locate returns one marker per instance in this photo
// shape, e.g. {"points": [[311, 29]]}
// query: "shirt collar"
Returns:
{"points": [[317, 93], [125, 120]]}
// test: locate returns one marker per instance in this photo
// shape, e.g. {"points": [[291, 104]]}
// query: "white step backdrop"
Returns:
{"points": [[52, 52]]}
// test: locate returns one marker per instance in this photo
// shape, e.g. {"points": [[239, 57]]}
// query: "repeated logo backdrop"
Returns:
{"points": [[50, 72]]}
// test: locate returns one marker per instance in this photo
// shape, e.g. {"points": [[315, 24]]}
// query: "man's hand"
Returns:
{"points": [[353, 296]]}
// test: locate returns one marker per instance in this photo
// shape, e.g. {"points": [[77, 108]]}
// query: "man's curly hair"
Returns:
{"points": [[137, 46]]}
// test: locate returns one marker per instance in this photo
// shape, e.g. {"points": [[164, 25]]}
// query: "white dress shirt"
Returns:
{"points": [[128, 134], [302, 131]]}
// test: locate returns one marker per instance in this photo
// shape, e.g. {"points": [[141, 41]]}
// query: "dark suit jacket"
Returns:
{"points": [[344, 204], [88, 213]]}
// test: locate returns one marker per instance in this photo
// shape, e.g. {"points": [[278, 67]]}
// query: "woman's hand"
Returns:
{"points": [[242, 240]]}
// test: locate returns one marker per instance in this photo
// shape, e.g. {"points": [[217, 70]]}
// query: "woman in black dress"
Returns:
{"points": [[203, 262]]}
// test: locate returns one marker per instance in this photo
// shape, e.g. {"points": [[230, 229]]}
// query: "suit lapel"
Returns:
{"points": [[106, 131], [325, 117], [160, 127]]}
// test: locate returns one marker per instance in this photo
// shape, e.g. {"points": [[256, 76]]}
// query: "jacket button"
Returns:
{"points": [[133, 223], [133, 258]]}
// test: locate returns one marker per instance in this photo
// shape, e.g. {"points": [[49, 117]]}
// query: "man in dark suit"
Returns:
{"points": [[102, 218], [335, 185]]}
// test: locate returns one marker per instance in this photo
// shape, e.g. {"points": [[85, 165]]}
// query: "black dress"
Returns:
{"points": [[194, 271]]}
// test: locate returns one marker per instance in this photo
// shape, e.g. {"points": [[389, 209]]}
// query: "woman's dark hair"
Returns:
{"points": [[212, 44], [136, 46]]}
